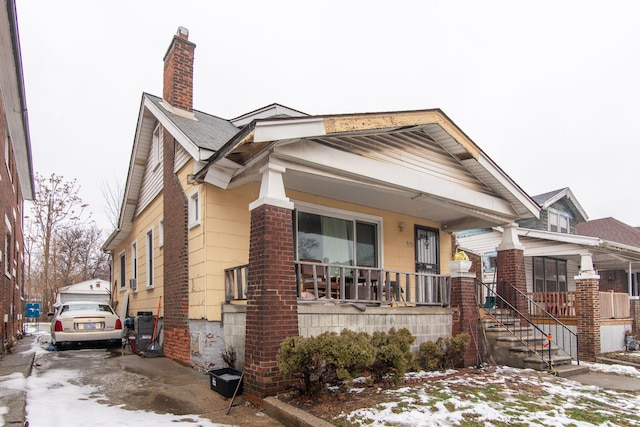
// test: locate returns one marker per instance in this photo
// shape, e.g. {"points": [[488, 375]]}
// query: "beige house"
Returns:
{"points": [[275, 223]]}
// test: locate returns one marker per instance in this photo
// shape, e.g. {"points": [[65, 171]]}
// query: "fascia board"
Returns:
{"points": [[506, 182], [559, 237], [288, 129], [14, 99], [330, 159], [191, 148]]}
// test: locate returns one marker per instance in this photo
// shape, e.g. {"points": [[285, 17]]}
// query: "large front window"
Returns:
{"points": [[549, 275], [337, 240]]}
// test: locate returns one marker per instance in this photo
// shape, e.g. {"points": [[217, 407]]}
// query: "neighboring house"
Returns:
{"points": [[236, 228], [553, 254], [90, 290], [16, 175]]}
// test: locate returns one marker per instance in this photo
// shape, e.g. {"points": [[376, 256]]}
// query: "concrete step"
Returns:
{"points": [[570, 370], [534, 362]]}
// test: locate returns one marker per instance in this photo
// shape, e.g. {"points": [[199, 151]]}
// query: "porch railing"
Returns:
{"points": [[353, 283], [614, 305], [559, 304]]}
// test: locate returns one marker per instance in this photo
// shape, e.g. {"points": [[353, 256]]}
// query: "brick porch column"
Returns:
{"points": [[510, 266], [272, 308], [588, 310], [465, 309]]}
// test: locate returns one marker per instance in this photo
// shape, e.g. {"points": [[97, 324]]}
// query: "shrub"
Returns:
{"points": [[430, 356], [393, 354], [445, 353]]}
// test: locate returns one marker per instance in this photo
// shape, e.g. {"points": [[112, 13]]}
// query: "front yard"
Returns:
{"points": [[490, 396]]}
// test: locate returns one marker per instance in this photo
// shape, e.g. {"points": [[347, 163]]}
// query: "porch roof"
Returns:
{"points": [[606, 255], [417, 163]]}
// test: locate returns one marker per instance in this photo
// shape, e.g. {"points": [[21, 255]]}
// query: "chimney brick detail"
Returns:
{"points": [[178, 72]]}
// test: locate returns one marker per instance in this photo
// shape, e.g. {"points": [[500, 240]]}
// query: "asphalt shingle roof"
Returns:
{"points": [[612, 230], [207, 131]]}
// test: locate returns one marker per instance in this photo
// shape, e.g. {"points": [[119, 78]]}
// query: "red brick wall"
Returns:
{"points": [[176, 344], [178, 73], [510, 269], [465, 312], [614, 280], [588, 323], [11, 303], [272, 309]]}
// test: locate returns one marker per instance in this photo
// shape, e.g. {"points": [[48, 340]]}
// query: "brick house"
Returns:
{"points": [[16, 175], [279, 223], [554, 248]]}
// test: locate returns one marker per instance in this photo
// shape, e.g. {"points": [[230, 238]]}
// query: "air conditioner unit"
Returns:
{"points": [[133, 284]]}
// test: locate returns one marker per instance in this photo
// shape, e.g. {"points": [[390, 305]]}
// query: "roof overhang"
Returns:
{"points": [[14, 98], [415, 162]]}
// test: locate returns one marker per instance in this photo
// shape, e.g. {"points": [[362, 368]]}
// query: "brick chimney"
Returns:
{"points": [[178, 72]]}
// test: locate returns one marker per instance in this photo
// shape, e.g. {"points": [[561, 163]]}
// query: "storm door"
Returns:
{"points": [[427, 244]]}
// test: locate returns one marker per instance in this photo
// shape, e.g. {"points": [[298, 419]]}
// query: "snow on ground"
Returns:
{"points": [[505, 396], [54, 398]]}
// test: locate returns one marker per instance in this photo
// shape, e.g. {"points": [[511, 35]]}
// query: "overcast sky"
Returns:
{"points": [[549, 90]]}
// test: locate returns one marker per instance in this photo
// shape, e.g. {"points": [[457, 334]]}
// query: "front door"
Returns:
{"points": [[427, 261], [427, 249]]}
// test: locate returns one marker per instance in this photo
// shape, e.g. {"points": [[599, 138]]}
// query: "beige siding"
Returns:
{"points": [[152, 178], [143, 299]]}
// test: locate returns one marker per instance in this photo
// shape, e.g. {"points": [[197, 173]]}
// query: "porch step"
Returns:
{"points": [[569, 370], [534, 362]]}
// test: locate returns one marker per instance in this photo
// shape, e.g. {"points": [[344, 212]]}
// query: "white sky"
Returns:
{"points": [[549, 90]]}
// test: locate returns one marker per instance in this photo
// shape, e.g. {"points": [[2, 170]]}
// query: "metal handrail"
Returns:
{"points": [[520, 306]]}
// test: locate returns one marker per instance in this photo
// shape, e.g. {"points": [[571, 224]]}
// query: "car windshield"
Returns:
{"points": [[88, 306]]}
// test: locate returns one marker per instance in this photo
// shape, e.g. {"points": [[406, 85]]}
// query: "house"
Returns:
{"points": [[242, 232], [16, 175], [555, 245]]}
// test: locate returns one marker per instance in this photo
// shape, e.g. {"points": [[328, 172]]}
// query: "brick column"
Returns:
{"points": [[465, 310], [510, 268], [272, 306], [588, 310]]}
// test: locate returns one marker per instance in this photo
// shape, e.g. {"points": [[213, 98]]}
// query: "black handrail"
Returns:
{"points": [[519, 306]]}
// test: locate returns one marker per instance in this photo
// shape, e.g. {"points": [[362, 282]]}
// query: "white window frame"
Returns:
{"points": [[161, 233], [122, 265], [134, 260], [347, 215], [557, 217], [150, 261], [8, 239], [195, 210], [155, 147]]}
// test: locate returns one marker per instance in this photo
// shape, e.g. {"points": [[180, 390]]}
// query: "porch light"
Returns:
{"points": [[401, 225]]}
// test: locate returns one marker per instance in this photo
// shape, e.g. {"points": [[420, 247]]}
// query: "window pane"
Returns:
{"points": [[327, 239], [562, 276], [551, 275], [538, 275], [366, 244]]}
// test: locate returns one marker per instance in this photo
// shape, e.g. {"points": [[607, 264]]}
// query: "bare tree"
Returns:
{"points": [[56, 209], [113, 193]]}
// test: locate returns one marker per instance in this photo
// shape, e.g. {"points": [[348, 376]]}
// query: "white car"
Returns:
{"points": [[85, 323]]}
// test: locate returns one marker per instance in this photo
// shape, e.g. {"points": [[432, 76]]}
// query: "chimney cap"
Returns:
{"points": [[183, 33]]}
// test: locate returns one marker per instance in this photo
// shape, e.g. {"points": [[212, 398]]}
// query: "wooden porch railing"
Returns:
{"points": [[352, 283], [559, 304], [614, 305]]}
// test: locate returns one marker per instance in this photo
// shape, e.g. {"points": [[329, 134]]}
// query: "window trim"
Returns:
{"points": [[134, 259], [346, 215], [195, 210], [161, 233], [149, 258], [122, 258]]}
